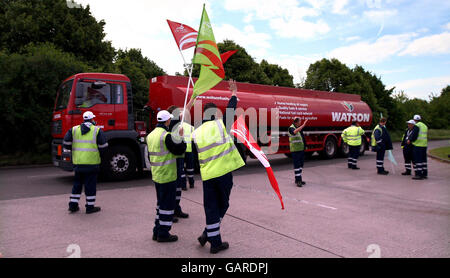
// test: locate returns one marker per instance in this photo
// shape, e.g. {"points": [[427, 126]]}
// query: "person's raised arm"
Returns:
{"points": [[297, 130]]}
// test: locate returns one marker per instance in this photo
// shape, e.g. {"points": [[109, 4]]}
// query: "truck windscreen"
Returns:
{"points": [[63, 95]]}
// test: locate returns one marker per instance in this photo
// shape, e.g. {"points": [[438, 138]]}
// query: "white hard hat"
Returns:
{"points": [[163, 116], [88, 115], [417, 117], [411, 122]]}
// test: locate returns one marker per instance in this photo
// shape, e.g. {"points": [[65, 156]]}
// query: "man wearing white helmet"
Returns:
{"points": [[408, 147], [86, 141], [419, 141], [163, 150]]}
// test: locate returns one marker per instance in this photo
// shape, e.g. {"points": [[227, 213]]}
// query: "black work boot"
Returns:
{"points": [[92, 209], [219, 248], [170, 238], [299, 183], [181, 214], [406, 173], [417, 178], [202, 239], [73, 208]]}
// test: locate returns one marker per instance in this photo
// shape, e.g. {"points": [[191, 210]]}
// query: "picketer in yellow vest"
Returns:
{"points": [[85, 141], [218, 158], [419, 140], [407, 147], [352, 137], [297, 148], [381, 142], [163, 150]]}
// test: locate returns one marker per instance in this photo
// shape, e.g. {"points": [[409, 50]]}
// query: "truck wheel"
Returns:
{"points": [[330, 148], [344, 150], [120, 163]]}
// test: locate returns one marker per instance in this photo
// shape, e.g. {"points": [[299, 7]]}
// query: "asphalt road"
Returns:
{"points": [[339, 213]]}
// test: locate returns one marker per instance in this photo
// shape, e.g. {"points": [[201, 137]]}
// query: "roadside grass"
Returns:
{"points": [[433, 134], [25, 159], [442, 152]]}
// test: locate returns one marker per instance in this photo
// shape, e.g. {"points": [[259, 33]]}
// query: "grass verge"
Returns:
{"points": [[442, 152], [24, 159]]}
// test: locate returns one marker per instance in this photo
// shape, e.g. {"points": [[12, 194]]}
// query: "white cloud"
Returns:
{"points": [[371, 53], [142, 24], [379, 15], [447, 26], [285, 17], [255, 43], [421, 88], [352, 38], [339, 5], [434, 44]]}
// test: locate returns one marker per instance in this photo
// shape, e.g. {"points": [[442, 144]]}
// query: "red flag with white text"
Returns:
{"points": [[184, 35], [241, 132]]}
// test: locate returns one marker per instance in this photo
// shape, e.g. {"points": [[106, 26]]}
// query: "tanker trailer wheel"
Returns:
{"points": [[330, 148], [344, 149], [120, 163]]}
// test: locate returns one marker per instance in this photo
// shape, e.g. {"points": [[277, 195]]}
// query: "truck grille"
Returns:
{"points": [[57, 127]]}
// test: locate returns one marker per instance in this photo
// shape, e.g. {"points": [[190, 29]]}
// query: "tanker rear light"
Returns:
{"points": [[59, 152]]}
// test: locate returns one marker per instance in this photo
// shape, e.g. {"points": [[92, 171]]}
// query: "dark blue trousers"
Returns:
{"points": [[189, 159], [420, 161], [181, 183], [165, 208], [380, 159], [216, 196], [89, 180], [353, 154], [298, 159], [408, 156]]}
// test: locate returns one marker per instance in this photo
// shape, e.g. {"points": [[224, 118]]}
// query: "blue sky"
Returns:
{"points": [[407, 43]]}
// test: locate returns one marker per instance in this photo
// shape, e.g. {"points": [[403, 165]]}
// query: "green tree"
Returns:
{"points": [[72, 30], [140, 70], [439, 110], [278, 75], [28, 85], [243, 68], [334, 76]]}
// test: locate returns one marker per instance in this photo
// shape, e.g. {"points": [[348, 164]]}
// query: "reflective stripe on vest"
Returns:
{"points": [[296, 141], [373, 141], [217, 153], [187, 136], [162, 162], [422, 139], [352, 135], [84, 146]]}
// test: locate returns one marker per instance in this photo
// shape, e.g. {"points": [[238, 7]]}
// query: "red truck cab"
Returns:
{"points": [[109, 97]]}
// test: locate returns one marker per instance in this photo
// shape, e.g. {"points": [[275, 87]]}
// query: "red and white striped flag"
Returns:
{"points": [[184, 35], [241, 132]]}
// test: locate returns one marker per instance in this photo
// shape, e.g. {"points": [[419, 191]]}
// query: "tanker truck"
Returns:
{"points": [[109, 97]]}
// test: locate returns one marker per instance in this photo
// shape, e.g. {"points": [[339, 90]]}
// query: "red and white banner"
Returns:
{"points": [[241, 132], [184, 35]]}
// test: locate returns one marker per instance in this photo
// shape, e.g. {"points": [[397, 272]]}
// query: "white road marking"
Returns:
{"points": [[287, 198], [49, 175]]}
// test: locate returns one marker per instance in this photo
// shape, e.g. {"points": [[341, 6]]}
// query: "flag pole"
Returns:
{"points": [[188, 67]]}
